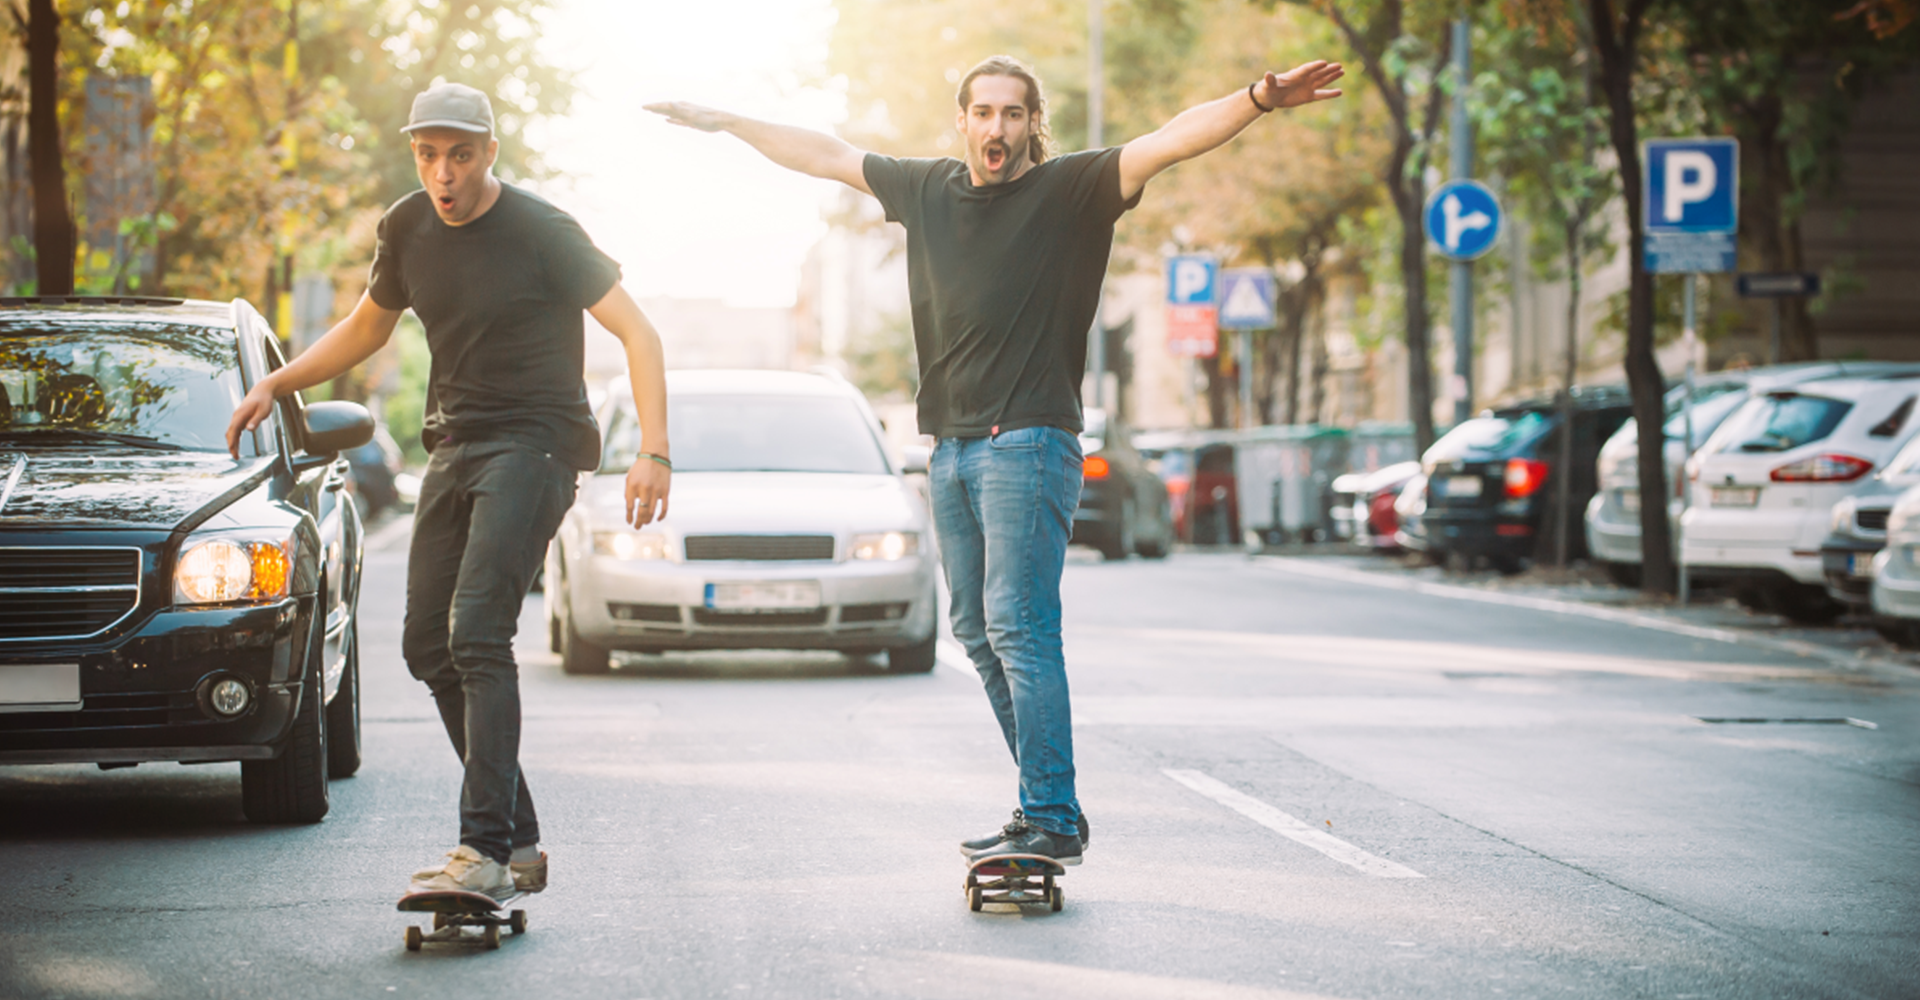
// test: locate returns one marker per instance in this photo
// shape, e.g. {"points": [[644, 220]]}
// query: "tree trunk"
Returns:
{"points": [[1413, 278], [52, 223], [1563, 503], [1615, 42]]}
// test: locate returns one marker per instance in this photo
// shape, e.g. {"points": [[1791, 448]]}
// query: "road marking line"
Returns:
{"points": [[1288, 827], [948, 654], [1805, 649]]}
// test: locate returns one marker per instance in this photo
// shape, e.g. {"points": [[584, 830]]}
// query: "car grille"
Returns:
{"points": [[55, 593], [760, 619], [1871, 520], [762, 548]]}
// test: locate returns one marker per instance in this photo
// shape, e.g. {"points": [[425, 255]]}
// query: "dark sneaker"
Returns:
{"points": [[1086, 832], [1064, 849], [976, 845]]}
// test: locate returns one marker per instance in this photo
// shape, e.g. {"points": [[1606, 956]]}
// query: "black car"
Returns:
{"points": [[159, 599], [1124, 507], [1492, 485]]}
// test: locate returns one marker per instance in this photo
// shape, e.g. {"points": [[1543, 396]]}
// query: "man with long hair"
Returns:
{"points": [[1006, 253]]}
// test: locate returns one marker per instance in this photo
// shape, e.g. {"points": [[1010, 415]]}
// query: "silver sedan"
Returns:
{"points": [[790, 528]]}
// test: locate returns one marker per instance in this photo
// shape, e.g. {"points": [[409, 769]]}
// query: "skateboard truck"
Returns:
{"points": [[1016, 879], [454, 910]]}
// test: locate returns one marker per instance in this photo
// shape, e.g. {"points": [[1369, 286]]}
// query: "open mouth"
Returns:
{"points": [[445, 201], [996, 156]]}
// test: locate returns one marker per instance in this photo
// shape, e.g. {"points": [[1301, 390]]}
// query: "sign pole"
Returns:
{"points": [[1462, 277], [1096, 111], [1686, 410], [1243, 354]]}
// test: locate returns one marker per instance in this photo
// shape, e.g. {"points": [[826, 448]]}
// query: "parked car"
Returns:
{"points": [[159, 599], [1765, 483], [1491, 481], [1857, 527], [1613, 515], [1124, 507], [1370, 519], [1174, 465], [1409, 515], [789, 529], [372, 469], [1895, 590]]}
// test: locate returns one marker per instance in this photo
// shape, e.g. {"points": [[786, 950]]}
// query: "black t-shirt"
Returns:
{"points": [[1004, 281], [502, 299]]}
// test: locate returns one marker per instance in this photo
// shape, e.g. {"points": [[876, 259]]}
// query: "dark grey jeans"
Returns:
{"points": [[487, 510]]}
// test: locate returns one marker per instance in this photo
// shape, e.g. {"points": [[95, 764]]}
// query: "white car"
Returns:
{"points": [[1896, 574], [789, 528], [1613, 515], [1764, 485]]}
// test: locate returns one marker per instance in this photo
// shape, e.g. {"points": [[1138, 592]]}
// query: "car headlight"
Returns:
{"points": [[885, 546], [630, 545], [233, 568]]}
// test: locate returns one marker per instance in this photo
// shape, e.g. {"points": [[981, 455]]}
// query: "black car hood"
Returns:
{"points": [[101, 488]]}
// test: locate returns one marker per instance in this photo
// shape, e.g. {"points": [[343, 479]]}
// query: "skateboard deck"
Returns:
{"points": [[1016, 879], [453, 909]]}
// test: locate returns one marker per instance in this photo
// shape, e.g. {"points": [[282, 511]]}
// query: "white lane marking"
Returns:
{"points": [[1288, 827], [948, 654], [1305, 567]]}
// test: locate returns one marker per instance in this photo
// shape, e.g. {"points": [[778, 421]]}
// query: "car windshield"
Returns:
{"points": [[1712, 404], [1783, 421], [754, 433], [159, 385], [1487, 434]]}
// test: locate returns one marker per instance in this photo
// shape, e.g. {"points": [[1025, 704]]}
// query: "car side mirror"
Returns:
{"points": [[915, 458], [335, 426]]}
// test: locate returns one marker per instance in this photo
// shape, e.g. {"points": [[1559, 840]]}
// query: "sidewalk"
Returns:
{"points": [[1850, 642]]}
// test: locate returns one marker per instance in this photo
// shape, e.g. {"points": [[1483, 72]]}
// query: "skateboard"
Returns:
{"points": [[453, 909], [1016, 879]]}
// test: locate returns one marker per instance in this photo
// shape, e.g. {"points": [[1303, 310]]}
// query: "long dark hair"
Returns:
{"points": [[1039, 140]]}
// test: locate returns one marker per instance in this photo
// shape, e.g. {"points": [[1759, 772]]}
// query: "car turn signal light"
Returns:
{"points": [[223, 570], [1095, 467], [1524, 477], [1823, 469]]}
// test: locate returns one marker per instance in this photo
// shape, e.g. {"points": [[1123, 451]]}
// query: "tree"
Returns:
{"points": [[1387, 37], [52, 223], [1540, 123]]}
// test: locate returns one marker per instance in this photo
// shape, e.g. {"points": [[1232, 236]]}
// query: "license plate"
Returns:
{"points": [[1463, 486], [1629, 501], [780, 595], [1860, 564], [1736, 496], [40, 687]]}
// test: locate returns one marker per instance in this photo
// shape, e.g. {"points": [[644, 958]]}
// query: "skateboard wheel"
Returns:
{"points": [[491, 937], [972, 880], [517, 921], [413, 938], [1059, 898], [974, 899]]}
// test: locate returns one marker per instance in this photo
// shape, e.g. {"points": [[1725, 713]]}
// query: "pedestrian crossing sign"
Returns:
{"points": [[1246, 298]]}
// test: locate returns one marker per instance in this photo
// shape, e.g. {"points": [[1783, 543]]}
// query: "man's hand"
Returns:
{"points": [[254, 408], [647, 485], [1303, 84], [693, 115]]}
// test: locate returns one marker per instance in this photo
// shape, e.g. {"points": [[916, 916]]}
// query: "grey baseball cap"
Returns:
{"points": [[451, 105]]}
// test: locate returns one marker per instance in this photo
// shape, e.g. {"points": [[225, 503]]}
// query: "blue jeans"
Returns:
{"points": [[1003, 507]]}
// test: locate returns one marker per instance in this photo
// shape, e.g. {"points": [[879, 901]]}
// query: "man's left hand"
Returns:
{"points": [[1303, 84], [647, 485]]}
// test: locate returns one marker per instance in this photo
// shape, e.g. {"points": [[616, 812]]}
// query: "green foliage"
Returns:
{"points": [[404, 411], [881, 360]]}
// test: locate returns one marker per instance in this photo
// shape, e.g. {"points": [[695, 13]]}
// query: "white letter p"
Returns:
{"points": [[1680, 192]]}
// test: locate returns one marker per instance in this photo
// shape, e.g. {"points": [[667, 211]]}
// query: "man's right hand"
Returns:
{"points": [[693, 115], [252, 409]]}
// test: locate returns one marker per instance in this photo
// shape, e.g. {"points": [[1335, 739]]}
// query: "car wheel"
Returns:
{"points": [[1119, 542], [1623, 574], [1898, 631], [343, 714], [553, 633], [1750, 597], [1805, 604], [918, 658], [577, 655], [292, 788]]}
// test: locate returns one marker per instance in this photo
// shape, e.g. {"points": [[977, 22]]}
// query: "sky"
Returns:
{"points": [[688, 214]]}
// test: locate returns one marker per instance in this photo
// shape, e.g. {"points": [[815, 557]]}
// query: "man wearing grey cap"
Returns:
{"points": [[499, 279]]}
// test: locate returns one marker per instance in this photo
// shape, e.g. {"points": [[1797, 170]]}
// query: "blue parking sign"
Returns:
{"points": [[1191, 279], [1692, 185]]}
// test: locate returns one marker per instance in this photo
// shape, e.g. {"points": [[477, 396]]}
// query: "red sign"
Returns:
{"points": [[1193, 331]]}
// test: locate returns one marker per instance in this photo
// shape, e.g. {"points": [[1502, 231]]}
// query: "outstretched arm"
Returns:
{"points": [[1208, 126], [351, 341], [814, 153]]}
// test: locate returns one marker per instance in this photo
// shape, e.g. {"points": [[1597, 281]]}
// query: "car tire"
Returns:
{"points": [[1807, 605], [1750, 597], [1623, 574], [918, 658], [292, 788], [1900, 632], [1118, 544], [553, 633], [343, 714], [577, 655], [1154, 550]]}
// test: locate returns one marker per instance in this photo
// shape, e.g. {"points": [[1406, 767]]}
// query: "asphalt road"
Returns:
{"points": [[1298, 787]]}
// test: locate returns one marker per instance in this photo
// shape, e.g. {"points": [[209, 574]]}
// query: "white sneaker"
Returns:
{"points": [[466, 870]]}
